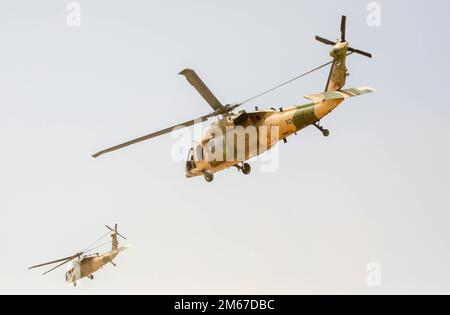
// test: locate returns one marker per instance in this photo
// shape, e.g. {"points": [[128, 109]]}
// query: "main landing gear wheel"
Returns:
{"points": [[324, 131], [75, 284], [209, 176], [246, 169], [91, 277]]}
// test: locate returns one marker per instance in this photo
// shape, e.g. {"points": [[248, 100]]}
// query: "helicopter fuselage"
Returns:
{"points": [[258, 132], [86, 266]]}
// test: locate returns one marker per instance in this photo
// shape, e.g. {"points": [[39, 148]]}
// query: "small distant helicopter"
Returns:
{"points": [[289, 121], [84, 266]]}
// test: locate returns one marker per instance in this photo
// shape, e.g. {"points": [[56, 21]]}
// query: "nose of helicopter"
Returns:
{"points": [[190, 165], [70, 275]]}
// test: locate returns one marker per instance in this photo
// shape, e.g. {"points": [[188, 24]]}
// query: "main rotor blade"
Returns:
{"points": [[343, 28], [152, 135], [357, 51], [325, 41], [99, 246], [60, 265], [286, 83], [201, 87], [56, 261], [93, 244]]}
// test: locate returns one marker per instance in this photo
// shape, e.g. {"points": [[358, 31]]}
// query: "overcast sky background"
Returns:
{"points": [[376, 190]]}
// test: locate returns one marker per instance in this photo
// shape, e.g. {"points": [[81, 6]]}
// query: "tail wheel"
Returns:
{"points": [[209, 176], [246, 168]]}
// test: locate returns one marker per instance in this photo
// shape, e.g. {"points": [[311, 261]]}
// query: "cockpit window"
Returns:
{"points": [[190, 163], [199, 153]]}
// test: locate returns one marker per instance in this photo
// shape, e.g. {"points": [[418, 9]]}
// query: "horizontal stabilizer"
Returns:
{"points": [[342, 94], [122, 248]]}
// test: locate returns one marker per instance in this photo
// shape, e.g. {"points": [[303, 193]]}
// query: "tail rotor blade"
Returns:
{"points": [[121, 236], [357, 51], [325, 41], [343, 28], [115, 231]]}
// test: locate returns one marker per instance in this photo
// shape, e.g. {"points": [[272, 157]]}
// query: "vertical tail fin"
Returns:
{"points": [[338, 73], [114, 234], [115, 241]]}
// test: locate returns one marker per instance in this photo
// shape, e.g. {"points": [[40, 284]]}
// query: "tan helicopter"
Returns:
{"points": [[270, 126], [84, 266]]}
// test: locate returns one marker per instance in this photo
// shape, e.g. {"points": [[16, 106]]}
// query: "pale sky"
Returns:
{"points": [[375, 191]]}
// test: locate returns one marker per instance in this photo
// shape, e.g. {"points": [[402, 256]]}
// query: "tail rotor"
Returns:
{"points": [[343, 40], [115, 231]]}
